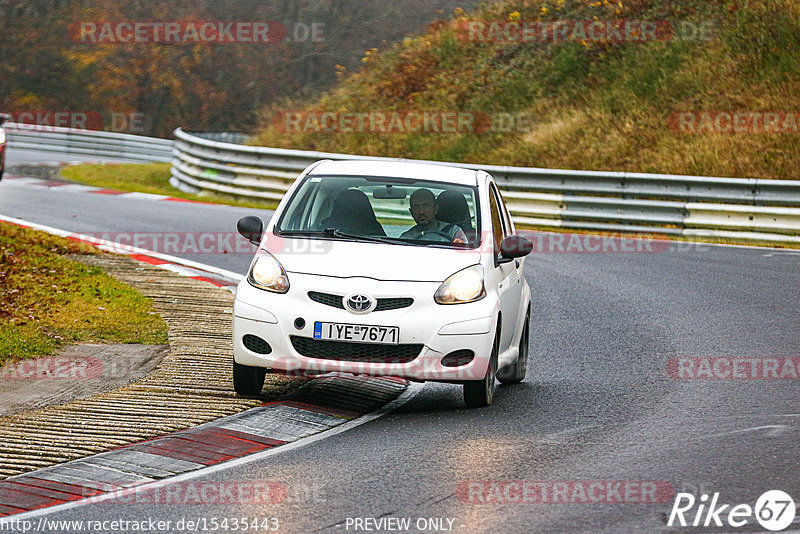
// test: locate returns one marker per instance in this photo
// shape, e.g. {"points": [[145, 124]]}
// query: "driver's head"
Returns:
{"points": [[423, 207]]}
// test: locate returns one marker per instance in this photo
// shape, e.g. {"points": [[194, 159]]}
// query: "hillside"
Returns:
{"points": [[730, 66], [84, 56]]}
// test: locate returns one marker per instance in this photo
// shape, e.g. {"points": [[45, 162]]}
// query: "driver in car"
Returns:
{"points": [[423, 208]]}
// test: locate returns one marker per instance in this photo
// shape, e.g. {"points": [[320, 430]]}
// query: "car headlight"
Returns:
{"points": [[464, 286], [267, 273], [2, 136]]}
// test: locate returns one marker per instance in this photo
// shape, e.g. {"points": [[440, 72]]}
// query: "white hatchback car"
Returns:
{"points": [[385, 269]]}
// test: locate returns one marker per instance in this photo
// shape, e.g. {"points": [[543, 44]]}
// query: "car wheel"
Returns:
{"points": [[515, 373], [248, 380], [480, 393]]}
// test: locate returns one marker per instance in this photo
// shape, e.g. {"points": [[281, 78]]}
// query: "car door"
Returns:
{"points": [[509, 274]]}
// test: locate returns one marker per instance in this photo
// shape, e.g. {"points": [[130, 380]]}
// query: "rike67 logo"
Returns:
{"points": [[774, 511]]}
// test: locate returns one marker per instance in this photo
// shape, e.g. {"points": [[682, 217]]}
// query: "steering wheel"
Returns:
{"points": [[447, 237]]}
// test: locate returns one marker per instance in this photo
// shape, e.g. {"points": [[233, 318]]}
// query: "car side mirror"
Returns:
{"points": [[515, 246], [251, 228]]}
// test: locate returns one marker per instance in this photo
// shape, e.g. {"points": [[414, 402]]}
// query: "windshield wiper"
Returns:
{"points": [[302, 232], [438, 244], [338, 234], [335, 232]]}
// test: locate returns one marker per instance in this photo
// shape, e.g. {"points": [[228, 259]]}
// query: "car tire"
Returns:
{"points": [[515, 373], [480, 393], [248, 380]]}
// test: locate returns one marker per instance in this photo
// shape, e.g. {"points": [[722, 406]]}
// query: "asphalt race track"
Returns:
{"points": [[600, 413]]}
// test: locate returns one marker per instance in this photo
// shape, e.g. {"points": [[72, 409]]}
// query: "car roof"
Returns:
{"points": [[398, 169]]}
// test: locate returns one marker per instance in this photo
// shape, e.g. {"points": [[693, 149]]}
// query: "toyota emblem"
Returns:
{"points": [[359, 303]]}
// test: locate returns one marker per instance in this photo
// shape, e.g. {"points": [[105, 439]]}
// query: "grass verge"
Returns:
{"points": [[48, 300], [147, 178]]}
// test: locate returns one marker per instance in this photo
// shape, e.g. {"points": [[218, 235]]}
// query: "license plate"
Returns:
{"points": [[357, 332]]}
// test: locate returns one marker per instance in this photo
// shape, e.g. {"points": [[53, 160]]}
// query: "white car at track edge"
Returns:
{"points": [[385, 269]]}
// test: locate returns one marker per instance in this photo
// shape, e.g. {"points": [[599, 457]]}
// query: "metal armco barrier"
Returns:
{"points": [[692, 206], [88, 142]]}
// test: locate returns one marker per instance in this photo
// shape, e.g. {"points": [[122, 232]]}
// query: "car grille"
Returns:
{"points": [[384, 304], [327, 299], [346, 351], [393, 304]]}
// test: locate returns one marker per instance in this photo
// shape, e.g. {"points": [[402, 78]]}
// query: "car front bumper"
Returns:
{"points": [[439, 329]]}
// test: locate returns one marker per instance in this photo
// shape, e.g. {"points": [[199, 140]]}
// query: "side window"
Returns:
{"points": [[297, 214], [508, 229], [497, 223], [506, 216]]}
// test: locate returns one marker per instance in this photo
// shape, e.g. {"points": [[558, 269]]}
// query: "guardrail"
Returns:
{"points": [[690, 206], [735, 208], [88, 142]]}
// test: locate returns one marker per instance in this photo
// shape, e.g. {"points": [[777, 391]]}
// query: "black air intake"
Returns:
{"points": [[256, 344], [458, 358]]}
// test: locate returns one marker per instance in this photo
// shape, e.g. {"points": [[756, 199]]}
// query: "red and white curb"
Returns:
{"points": [[79, 188], [192, 269], [315, 408]]}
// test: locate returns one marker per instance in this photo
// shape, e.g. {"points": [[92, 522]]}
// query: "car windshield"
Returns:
{"points": [[393, 210]]}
